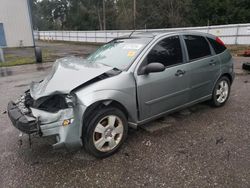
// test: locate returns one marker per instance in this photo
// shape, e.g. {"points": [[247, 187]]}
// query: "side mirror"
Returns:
{"points": [[153, 67]]}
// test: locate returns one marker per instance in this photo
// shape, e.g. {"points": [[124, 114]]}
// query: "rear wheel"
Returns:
{"points": [[221, 92], [105, 132]]}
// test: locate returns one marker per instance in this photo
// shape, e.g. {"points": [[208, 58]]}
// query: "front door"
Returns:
{"points": [[163, 91]]}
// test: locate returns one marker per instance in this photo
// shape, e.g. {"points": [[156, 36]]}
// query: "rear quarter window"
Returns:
{"points": [[218, 48], [197, 47]]}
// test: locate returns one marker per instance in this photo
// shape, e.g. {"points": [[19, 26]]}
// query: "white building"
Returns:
{"points": [[15, 24]]}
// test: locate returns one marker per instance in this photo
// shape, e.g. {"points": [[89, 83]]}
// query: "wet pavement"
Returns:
{"points": [[198, 147]]}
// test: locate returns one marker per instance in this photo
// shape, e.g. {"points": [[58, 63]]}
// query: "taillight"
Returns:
{"points": [[220, 41]]}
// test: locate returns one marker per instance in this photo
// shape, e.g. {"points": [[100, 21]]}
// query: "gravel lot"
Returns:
{"points": [[197, 147]]}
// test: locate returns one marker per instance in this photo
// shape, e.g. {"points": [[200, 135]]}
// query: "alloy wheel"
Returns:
{"points": [[222, 91], [108, 133]]}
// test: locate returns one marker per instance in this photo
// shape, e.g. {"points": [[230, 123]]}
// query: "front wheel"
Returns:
{"points": [[105, 132], [221, 92]]}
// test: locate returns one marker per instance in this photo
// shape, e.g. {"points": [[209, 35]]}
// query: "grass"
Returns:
{"points": [[18, 61], [238, 50], [14, 60], [76, 43], [48, 56], [9, 56]]}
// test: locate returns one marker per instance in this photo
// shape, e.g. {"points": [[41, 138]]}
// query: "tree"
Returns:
{"points": [[220, 12], [88, 14]]}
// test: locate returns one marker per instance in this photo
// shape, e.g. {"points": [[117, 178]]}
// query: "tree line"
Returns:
{"points": [[136, 14]]}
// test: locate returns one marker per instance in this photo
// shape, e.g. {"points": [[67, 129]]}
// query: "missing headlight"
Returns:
{"points": [[52, 103]]}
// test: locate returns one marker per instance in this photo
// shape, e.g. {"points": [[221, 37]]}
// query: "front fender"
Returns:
{"points": [[127, 100]]}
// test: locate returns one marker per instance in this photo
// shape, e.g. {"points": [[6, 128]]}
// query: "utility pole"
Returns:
{"points": [[134, 14], [104, 14], [1, 55]]}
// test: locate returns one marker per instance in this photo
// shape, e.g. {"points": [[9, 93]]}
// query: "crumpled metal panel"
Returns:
{"points": [[48, 117], [67, 74]]}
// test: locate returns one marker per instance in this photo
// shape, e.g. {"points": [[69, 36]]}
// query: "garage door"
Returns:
{"points": [[2, 36]]}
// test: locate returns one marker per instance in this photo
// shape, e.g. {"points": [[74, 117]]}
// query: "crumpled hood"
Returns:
{"points": [[67, 74]]}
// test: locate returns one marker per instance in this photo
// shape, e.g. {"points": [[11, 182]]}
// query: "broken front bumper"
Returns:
{"points": [[35, 121], [24, 123]]}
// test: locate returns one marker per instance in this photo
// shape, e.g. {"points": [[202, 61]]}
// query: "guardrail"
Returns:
{"points": [[230, 34]]}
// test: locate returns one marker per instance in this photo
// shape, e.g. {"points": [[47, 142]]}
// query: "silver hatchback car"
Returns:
{"points": [[126, 82]]}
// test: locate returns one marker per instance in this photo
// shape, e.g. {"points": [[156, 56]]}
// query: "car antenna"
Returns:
{"points": [[131, 33]]}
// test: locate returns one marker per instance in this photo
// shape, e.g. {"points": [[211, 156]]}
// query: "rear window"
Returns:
{"points": [[218, 48], [197, 47]]}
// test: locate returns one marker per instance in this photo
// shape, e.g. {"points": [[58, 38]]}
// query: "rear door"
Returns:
{"points": [[163, 91], [203, 64]]}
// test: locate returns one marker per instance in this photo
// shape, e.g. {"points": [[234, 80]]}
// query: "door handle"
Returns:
{"points": [[180, 73], [212, 62]]}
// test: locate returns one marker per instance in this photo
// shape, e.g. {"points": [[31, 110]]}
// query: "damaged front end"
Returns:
{"points": [[46, 116], [21, 117], [50, 107]]}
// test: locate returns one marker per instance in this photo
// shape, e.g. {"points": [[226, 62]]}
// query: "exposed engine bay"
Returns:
{"points": [[49, 103]]}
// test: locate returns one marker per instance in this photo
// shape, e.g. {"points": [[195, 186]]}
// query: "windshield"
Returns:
{"points": [[119, 53]]}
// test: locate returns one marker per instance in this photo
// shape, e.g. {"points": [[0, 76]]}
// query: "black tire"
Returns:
{"points": [[38, 55], [89, 131], [246, 66], [214, 101]]}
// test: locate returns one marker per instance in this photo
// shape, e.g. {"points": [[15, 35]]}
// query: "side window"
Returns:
{"points": [[197, 47], [168, 52], [218, 48]]}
